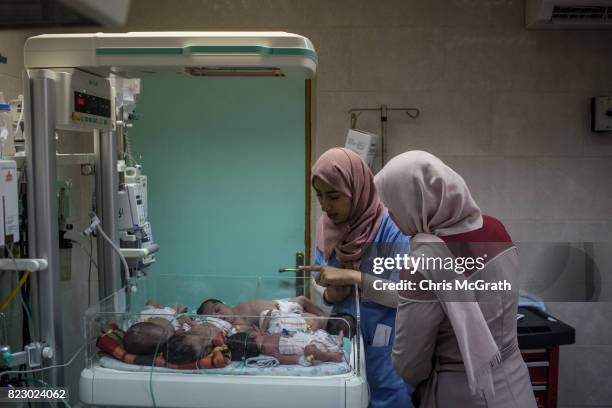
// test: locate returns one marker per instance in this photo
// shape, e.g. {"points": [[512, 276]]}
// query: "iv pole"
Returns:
{"points": [[383, 109]]}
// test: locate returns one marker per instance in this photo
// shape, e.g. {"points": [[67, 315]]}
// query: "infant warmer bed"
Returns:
{"points": [[107, 381]]}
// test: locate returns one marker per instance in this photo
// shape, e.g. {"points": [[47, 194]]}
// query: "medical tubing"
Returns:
{"points": [[28, 312], [25, 306], [118, 251], [19, 120], [16, 289], [358, 331], [36, 370], [128, 150], [91, 262], [85, 251], [153, 362], [22, 281]]}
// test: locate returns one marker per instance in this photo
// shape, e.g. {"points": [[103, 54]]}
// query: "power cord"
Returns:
{"points": [[91, 263], [95, 226]]}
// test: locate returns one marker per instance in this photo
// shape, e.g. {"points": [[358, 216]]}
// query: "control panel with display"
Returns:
{"points": [[84, 101]]}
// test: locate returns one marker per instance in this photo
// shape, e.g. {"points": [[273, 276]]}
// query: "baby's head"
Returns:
{"points": [[242, 346], [343, 322], [144, 338], [185, 347], [214, 307], [189, 346]]}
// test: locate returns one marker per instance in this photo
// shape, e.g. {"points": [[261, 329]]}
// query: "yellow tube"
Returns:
{"points": [[11, 295]]}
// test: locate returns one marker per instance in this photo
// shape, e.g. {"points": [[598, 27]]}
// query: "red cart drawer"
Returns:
{"points": [[540, 392], [538, 372], [535, 355]]}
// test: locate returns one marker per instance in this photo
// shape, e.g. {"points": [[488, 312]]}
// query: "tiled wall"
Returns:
{"points": [[11, 47], [506, 107]]}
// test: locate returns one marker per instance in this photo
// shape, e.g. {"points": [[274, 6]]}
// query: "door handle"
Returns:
{"points": [[299, 273]]}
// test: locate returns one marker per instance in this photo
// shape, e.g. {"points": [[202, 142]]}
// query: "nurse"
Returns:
{"points": [[355, 227], [457, 348]]}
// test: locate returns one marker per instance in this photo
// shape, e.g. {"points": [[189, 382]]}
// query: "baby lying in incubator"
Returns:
{"points": [[184, 340], [161, 323], [279, 316], [297, 348]]}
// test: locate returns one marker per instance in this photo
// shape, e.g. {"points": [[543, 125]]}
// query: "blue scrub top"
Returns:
{"points": [[387, 389], [388, 242]]}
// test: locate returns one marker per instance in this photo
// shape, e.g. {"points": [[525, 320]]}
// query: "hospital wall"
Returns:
{"points": [[506, 107], [11, 47]]}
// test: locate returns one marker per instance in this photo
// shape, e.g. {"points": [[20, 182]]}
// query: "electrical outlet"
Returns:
{"points": [[602, 114]]}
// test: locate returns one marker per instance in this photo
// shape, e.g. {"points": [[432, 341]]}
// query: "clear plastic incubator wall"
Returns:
{"points": [[157, 346]]}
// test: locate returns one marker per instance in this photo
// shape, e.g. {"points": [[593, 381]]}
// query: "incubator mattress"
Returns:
{"points": [[238, 368]]}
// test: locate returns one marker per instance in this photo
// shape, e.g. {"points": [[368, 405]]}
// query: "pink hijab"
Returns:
{"points": [[428, 199], [346, 172], [424, 195]]}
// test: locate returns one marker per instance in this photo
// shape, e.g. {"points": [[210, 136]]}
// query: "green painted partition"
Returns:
{"points": [[225, 161]]}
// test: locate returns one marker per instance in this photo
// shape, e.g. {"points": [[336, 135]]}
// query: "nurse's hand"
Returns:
{"points": [[335, 294], [331, 276]]}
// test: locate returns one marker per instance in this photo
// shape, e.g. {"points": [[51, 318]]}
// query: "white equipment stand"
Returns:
{"points": [[62, 71]]}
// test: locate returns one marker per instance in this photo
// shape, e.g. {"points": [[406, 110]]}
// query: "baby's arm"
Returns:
{"points": [[184, 319], [179, 309], [254, 307], [308, 306], [266, 322], [320, 355], [154, 304], [314, 321], [242, 324]]}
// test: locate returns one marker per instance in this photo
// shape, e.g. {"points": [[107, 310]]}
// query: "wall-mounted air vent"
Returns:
{"points": [[568, 14], [234, 72], [591, 14]]}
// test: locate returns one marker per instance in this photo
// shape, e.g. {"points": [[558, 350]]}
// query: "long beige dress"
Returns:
{"points": [[427, 356]]}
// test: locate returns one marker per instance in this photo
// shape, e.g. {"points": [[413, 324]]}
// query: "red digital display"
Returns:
{"points": [[92, 105]]}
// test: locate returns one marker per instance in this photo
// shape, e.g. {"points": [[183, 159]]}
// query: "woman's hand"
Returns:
{"points": [[331, 276], [335, 294]]}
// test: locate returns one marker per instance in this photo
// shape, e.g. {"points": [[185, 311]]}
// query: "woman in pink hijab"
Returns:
{"points": [[457, 348], [354, 225]]}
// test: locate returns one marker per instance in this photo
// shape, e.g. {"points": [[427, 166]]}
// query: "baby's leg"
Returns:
{"points": [[154, 304], [320, 355], [308, 306]]}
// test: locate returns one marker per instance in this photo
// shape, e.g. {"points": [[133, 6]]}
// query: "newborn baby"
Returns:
{"points": [[189, 346], [145, 337], [154, 311], [297, 313], [156, 325], [278, 316], [297, 348]]}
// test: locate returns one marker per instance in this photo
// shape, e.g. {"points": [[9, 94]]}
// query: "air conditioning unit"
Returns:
{"points": [[28, 14], [568, 14], [108, 13]]}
